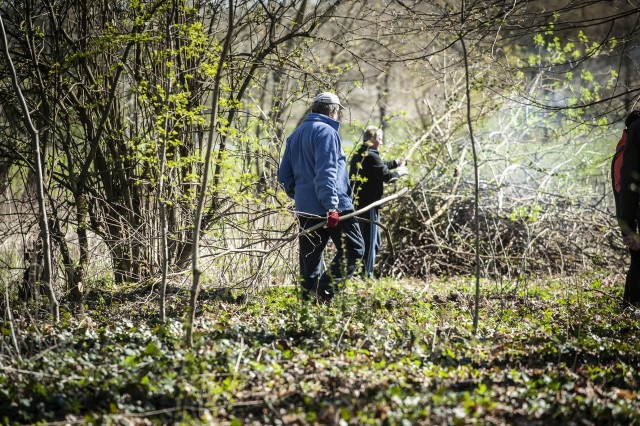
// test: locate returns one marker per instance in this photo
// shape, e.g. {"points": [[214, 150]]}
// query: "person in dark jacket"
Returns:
{"points": [[616, 163], [368, 174], [628, 211], [313, 172]]}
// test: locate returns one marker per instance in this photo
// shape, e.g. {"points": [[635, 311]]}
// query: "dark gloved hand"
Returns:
{"points": [[332, 219]]}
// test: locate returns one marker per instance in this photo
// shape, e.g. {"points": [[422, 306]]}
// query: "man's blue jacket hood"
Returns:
{"points": [[313, 170]]}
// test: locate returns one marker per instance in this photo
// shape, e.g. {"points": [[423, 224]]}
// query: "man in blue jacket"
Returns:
{"points": [[313, 172]]}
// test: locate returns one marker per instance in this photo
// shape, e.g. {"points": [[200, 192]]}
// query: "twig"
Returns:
{"points": [[14, 340], [242, 347], [387, 233], [609, 295], [343, 330]]}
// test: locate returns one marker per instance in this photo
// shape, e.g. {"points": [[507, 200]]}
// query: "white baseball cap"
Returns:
{"points": [[328, 98]]}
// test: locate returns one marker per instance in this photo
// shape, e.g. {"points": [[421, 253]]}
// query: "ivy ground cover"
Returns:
{"points": [[558, 351]]}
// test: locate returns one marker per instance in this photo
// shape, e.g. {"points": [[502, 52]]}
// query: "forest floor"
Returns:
{"points": [[550, 351]]}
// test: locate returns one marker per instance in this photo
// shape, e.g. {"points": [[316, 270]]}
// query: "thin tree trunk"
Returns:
{"points": [[476, 188], [77, 286], [12, 330], [164, 251], [195, 287], [35, 140], [383, 94]]}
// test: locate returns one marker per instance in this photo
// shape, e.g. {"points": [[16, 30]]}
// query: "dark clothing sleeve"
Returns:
{"points": [[393, 164], [630, 181], [285, 173], [378, 168]]}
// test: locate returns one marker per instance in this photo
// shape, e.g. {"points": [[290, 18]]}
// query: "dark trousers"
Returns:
{"points": [[349, 251], [632, 283], [371, 235]]}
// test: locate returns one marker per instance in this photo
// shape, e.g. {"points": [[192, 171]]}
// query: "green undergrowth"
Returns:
{"points": [[386, 352]]}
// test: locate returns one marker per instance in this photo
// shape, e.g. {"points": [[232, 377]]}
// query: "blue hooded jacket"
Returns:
{"points": [[313, 170]]}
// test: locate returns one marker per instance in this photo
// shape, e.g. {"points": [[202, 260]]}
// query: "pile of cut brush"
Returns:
{"points": [[554, 238]]}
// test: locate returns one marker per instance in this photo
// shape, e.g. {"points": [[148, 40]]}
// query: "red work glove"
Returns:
{"points": [[332, 219]]}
